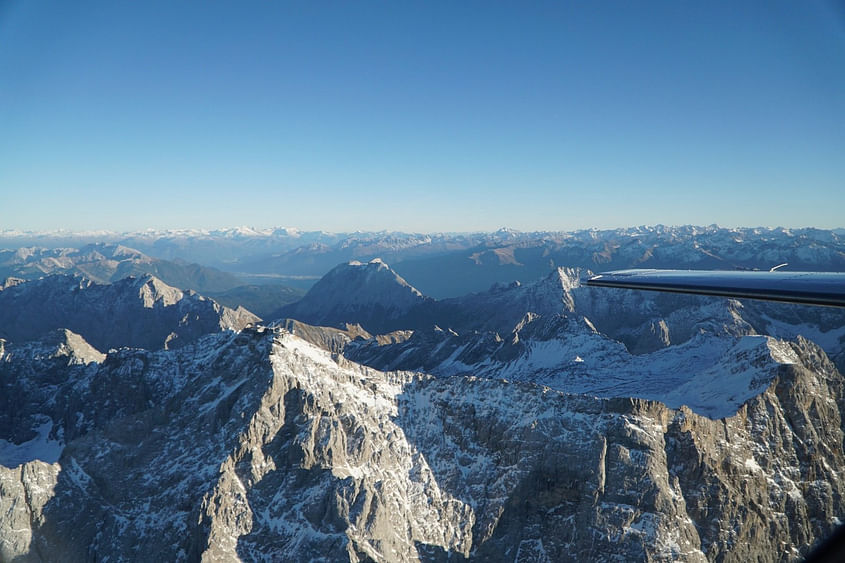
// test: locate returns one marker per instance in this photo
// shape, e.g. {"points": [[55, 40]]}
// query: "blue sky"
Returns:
{"points": [[421, 116]]}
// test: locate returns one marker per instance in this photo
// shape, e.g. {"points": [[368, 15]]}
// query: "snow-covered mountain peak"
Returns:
{"points": [[120, 251], [503, 306], [367, 282], [371, 294], [553, 441]]}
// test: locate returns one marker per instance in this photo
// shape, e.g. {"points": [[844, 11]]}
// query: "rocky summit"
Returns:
{"points": [[372, 293], [260, 446]]}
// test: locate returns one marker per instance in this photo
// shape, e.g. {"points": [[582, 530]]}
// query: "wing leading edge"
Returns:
{"points": [[810, 288]]}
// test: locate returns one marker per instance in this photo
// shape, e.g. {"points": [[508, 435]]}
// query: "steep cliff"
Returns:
{"points": [[260, 446]]}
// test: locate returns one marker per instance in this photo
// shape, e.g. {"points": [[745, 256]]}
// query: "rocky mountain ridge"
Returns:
{"points": [[140, 312], [644, 322], [259, 446]]}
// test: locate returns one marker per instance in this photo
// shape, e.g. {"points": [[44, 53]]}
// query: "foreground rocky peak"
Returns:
{"points": [[30, 375], [260, 446]]}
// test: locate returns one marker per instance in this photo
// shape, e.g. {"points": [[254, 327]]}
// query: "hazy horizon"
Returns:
{"points": [[93, 233]]}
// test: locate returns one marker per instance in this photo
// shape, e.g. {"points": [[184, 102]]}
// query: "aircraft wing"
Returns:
{"points": [[811, 288]]}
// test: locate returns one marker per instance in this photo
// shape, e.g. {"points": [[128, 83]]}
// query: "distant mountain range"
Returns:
{"points": [[448, 265], [104, 263]]}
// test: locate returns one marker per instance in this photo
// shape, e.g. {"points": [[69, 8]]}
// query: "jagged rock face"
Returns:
{"points": [[259, 446], [31, 430], [772, 469], [713, 372], [331, 339], [141, 312], [370, 294], [434, 351], [35, 370]]}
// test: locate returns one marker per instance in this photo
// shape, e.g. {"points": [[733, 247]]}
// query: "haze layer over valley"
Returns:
{"points": [[428, 398]]}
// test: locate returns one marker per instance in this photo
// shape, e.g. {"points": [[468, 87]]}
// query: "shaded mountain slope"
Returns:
{"points": [[371, 295], [141, 312], [263, 300]]}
